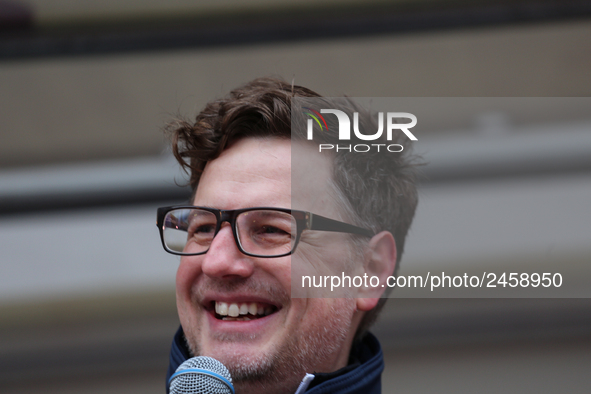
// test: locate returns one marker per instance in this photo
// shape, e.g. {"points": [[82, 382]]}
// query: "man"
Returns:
{"points": [[245, 233]]}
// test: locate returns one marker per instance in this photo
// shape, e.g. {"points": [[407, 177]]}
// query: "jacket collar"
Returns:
{"points": [[364, 378]]}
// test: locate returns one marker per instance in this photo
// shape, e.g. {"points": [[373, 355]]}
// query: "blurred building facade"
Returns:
{"points": [[86, 291]]}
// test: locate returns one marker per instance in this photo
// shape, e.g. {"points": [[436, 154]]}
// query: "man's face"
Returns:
{"points": [[289, 336]]}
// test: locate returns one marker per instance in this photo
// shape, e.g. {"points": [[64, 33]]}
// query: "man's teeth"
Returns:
{"points": [[252, 308], [243, 309], [235, 309]]}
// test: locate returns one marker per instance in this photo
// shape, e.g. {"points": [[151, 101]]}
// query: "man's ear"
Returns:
{"points": [[380, 262]]}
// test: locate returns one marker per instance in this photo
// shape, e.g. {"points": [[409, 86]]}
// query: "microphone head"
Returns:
{"points": [[201, 375]]}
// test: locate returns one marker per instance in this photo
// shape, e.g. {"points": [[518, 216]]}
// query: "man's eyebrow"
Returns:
{"points": [[191, 204], [246, 206], [260, 206]]}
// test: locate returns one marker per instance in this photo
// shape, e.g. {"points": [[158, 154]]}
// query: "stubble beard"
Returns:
{"points": [[282, 368]]}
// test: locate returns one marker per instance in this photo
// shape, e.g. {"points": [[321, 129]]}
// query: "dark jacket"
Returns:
{"points": [[361, 376]]}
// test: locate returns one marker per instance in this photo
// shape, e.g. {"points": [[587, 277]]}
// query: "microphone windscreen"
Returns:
{"points": [[201, 375]]}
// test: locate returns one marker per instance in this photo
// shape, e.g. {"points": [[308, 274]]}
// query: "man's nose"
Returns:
{"points": [[224, 259]]}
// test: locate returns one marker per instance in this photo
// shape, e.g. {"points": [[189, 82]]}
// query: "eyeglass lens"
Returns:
{"points": [[260, 232]]}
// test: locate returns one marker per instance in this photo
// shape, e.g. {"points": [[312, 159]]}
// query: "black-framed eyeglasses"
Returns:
{"points": [[258, 232]]}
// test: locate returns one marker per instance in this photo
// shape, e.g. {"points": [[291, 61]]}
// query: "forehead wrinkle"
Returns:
{"points": [[278, 176], [259, 179], [253, 174], [270, 189], [267, 193], [245, 170]]}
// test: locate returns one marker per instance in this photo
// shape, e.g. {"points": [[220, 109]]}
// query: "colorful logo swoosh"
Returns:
{"points": [[315, 115]]}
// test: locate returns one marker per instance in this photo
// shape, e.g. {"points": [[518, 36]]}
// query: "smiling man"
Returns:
{"points": [[245, 234]]}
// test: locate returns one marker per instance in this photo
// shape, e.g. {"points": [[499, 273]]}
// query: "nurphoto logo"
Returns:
{"points": [[344, 131]]}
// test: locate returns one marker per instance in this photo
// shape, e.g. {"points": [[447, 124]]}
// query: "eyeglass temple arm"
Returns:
{"points": [[317, 222]]}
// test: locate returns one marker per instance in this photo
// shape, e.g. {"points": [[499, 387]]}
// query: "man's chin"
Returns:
{"points": [[255, 367], [243, 355], [246, 364]]}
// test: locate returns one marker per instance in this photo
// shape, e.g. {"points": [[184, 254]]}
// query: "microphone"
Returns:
{"points": [[201, 375]]}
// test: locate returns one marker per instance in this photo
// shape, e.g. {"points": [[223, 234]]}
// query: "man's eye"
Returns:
{"points": [[272, 230], [204, 228], [265, 234]]}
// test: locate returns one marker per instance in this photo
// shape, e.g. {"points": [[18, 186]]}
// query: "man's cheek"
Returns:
{"points": [[184, 283], [186, 276]]}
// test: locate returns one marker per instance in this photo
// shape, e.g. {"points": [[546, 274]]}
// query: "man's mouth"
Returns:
{"points": [[242, 311]]}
